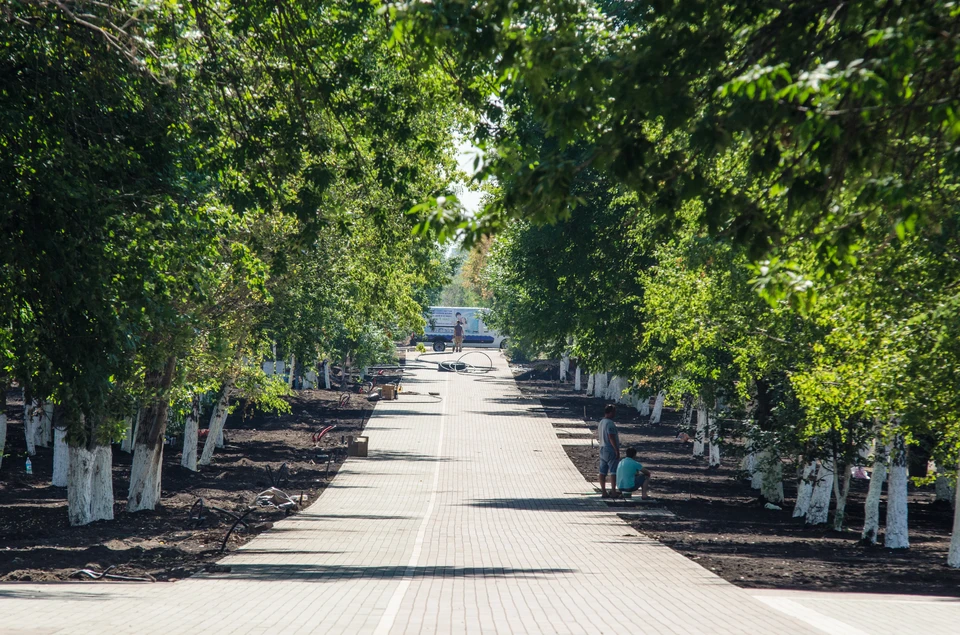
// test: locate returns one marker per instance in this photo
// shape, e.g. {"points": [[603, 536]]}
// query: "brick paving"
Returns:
{"points": [[467, 517]]}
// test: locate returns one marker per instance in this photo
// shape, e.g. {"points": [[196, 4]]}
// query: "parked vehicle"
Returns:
{"points": [[441, 320]]}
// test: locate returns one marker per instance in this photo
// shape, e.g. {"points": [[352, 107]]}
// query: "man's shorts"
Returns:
{"points": [[637, 484], [608, 461], [458, 341]]}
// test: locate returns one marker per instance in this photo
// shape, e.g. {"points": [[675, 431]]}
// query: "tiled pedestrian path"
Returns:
{"points": [[467, 517]]}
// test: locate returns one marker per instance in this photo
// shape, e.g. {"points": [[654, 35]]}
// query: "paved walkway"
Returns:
{"points": [[467, 517]]}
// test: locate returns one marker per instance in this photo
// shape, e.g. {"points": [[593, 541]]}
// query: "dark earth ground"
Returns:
{"points": [[721, 524], [38, 544]]}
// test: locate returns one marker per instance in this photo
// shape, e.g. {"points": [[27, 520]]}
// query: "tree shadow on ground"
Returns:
{"points": [[334, 573]]}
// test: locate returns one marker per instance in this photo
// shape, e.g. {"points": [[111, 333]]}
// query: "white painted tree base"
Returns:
{"points": [[576, 379], [714, 455], [591, 384], [188, 458], [90, 485], [804, 491], [953, 556], [896, 535], [126, 444], [770, 467], [600, 385], [698, 437], [3, 435], [819, 510], [217, 419], [657, 408], [61, 458], [30, 424], [326, 375], [871, 507], [145, 475]]}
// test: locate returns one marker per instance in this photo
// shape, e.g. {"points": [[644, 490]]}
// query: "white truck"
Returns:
{"points": [[441, 320]]}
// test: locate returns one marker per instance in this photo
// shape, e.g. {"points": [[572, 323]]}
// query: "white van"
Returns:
{"points": [[441, 320]]}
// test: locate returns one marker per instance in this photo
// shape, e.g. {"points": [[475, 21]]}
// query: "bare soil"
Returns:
{"points": [[38, 544], [721, 523]]}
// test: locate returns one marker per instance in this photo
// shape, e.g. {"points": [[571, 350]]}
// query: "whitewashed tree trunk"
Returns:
{"points": [[698, 437], [819, 510], [46, 425], [871, 507], [576, 379], [126, 444], [600, 385], [326, 375], [953, 556], [3, 433], [217, 419], [714, 435], [751, 465], [615, 389], [840, 492], [30, 424], [944, 487], [564, 366], [591, 384], [145, 475], [61, 458], [687, 411], [804, 491], [293, 368], [658, 408], [643, 406], [188, 458], [89, 485], [771, 483], [896, 535]]}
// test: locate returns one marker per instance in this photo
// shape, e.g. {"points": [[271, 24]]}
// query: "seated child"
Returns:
{"points": [[632, 476]]}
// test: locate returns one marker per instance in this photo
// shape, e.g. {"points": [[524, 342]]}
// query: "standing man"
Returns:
{"points": [[458, 335], [609, 451]]}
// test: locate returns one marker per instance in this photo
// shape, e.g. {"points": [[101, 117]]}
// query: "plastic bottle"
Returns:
{"points": [[29, 466]]}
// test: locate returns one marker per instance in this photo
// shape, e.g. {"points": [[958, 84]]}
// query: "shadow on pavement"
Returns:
{"points": [[335, 573]]}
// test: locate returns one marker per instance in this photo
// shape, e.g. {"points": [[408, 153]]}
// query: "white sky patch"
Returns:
{"points": [[467, 155]]}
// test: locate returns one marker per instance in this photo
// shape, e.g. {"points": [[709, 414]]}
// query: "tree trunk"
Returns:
{"points": [[819, 511], [600, 385], [326, 374], [591, 384], [3, 433], [188, 458], [217, 419], [840, 493], [45, 431], [564, 366], [61, 458], [89, 485], [145, 472], [953, 556], [944, 487], [804, 491], [293, 368], [713, 459], [771, 485], [615, 389], [871, 508], [343, 373], [30, 424], [577, 378], [126, 444], [896, 535], [688, 407], [701, 428], [657, 408]]}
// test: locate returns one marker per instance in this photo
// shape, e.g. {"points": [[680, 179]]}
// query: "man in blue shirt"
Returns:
{"points": [[632, 476]]}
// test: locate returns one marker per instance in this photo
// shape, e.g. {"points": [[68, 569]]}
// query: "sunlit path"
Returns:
{"points": [[466, 517]]}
